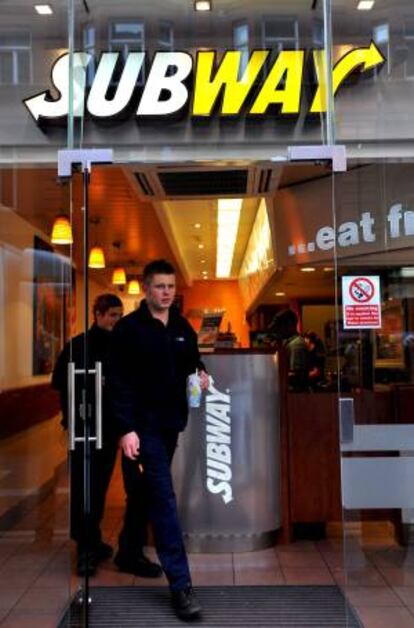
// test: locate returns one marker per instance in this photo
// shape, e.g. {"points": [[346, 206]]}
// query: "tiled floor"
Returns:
{"points": [[36, 574]]}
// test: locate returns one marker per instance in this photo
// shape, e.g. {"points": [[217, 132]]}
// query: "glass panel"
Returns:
{"points": [[7, 67], [37, 317], [279, 31], [379, 93], [161, 124], [375, 374], [166, 36], [286, 111], [15, 39], [29, 45]]}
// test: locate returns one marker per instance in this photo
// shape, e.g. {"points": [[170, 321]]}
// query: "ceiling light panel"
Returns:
{"points": [[43, 9], [202, 6], [365, 5], [228, 219]]}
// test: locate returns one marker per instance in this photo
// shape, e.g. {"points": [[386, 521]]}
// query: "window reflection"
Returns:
{"points": [[15, 57]]}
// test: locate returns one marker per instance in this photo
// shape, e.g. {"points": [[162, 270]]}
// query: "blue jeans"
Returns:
{"points": [[156, 453]]}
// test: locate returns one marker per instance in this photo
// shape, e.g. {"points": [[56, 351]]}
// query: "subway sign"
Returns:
{"points": [[174, 83]]}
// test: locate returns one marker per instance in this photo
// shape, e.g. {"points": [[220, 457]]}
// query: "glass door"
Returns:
{"points": [[81, 372], [375, 379], [37, 320], [103, 114]]}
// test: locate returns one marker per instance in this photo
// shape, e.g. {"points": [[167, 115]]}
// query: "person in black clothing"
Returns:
{"points": [[154, 350], [285, 328], [107, 310], [316, 359]]}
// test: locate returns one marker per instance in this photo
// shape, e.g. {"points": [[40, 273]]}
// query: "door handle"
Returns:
{"points": [[346, 419], [71, 405], [98, 405], [72, 372]]}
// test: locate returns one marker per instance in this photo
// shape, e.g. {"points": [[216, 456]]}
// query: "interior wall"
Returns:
{"points": [[16, 301], [95, 289], [30, 459], [314, 318], [218, 295]]}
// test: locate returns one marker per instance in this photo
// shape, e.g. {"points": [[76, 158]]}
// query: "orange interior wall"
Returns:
{"points": [[222, 295]]}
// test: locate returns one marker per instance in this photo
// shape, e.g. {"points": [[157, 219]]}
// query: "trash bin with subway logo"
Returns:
{"points": [[227, 465]]}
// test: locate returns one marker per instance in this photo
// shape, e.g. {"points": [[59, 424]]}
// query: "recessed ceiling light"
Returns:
{"points": [[280, 294], [203, 5], [197, 225], [205, 277], [328, 269], [202, 261], [43, 9], [307, 269], [365, 5], [201, 246]]}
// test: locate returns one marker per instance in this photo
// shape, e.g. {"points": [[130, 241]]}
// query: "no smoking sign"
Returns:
{"points": [[361, 302]]}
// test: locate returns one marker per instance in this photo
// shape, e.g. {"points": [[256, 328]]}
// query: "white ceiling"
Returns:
{"points": [[197, 247]]}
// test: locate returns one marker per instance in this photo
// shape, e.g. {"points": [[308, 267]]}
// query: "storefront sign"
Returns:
{"points": [[361, 302], [227, 85], [400, 223]]}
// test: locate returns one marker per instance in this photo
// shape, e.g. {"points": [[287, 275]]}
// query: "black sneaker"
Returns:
{"points": [[140, 566], [185, 603], [87, 564], [103, 551]]}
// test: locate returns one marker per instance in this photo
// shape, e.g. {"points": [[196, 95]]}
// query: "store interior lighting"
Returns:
{"points": [[62, 231], [133, 287], [43, 9], [96, 258], [228, 219], [202, 6], [119, 276], [365, 5]]}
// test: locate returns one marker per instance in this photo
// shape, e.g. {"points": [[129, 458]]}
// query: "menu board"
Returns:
{"points": [[209, 330]]}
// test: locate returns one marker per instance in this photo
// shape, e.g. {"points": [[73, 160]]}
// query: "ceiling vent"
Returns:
{"points": [[144, 184], [202, 182]]}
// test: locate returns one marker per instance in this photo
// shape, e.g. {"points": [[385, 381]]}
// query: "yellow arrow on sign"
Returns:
{"points": [[367, 57]]}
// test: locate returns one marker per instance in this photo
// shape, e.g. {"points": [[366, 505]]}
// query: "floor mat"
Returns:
{"points": [[223, 607]]}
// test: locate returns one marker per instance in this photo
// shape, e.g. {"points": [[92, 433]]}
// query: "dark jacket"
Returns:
{"points": [[150, 363], [298, 363], [98, 351]]}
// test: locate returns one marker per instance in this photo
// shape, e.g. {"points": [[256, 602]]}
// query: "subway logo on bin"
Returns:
{"points": [[228, 85]]}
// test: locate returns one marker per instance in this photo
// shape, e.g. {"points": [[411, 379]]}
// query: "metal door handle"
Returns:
{"points": [[346, 419], [72, 372], [98, 405], [71, 405]]}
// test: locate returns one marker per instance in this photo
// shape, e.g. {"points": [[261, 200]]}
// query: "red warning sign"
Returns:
{"points": [[361, 302]]}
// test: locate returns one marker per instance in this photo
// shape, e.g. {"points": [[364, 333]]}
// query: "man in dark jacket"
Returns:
{"points": [[285, 328], [154, 351], [107, 310]]}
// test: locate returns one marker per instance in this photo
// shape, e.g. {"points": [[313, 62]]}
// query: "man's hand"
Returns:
{"points": [[130, 445], [204, 380]]}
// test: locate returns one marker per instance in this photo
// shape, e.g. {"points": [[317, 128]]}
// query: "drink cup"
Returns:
{"points": [[194, 391]]}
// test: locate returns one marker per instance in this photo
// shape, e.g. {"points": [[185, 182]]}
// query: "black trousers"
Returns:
{"points": [[85, 527], [133, 535], [150, 495]]}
